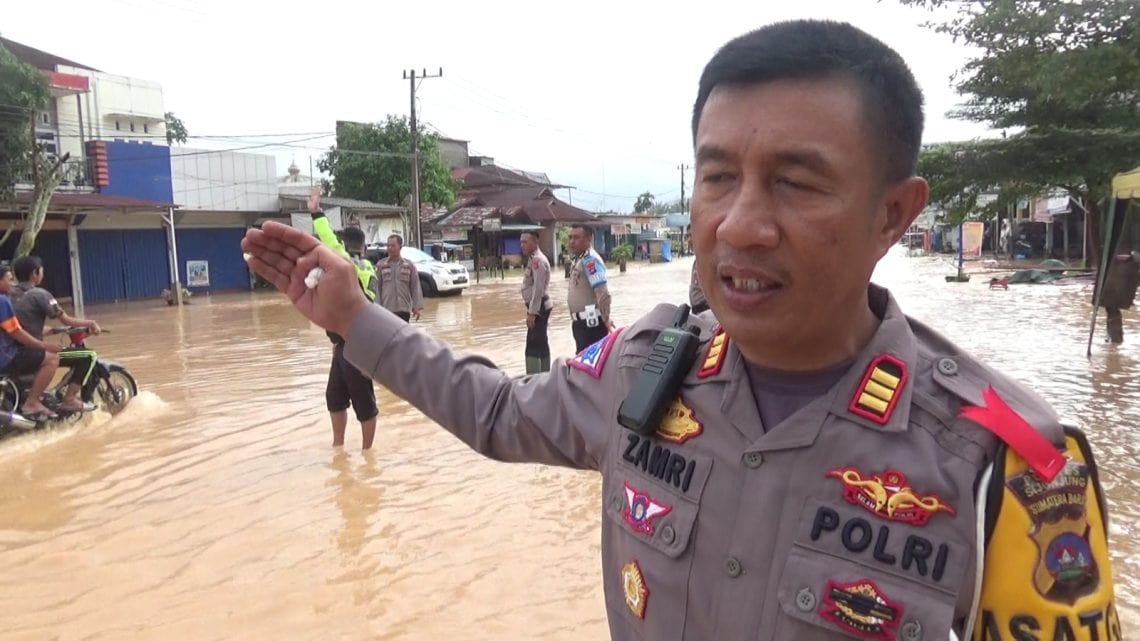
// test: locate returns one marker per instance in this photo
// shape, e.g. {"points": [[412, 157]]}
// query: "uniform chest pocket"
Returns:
{"points": [[824, 597], [651, 492]]}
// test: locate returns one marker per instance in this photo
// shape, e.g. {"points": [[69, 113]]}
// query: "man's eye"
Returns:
{"points": [[785, 182], [717, 177]]}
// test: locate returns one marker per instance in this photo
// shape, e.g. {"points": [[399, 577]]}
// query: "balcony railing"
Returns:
{"points": [[77, 176]]}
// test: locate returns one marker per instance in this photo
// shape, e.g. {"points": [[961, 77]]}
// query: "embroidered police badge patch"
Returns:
{"points": [[1066, 568], [592, 359], [641, 509], [888, 496], [862, 609], [633, 585]]}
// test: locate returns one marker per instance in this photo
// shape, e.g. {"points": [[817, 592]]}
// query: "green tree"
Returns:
{"points": [[175, 129], [667, 207], [23, 93], [373, 162], [1060, 78], [644, 203]]}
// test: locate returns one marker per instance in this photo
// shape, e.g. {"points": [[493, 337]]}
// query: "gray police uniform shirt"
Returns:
{"points": [[399, 286], [586, 275], [536, 278], [852, 518]]}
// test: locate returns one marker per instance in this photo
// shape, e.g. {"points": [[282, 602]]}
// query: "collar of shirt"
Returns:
{"points": [[893, 339]]}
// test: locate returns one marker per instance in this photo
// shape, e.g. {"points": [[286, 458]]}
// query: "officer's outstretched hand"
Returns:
{"points": [[284, 256]]}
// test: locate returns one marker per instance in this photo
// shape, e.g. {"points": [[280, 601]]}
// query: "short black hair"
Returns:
{"points": [[352, 237], [584, 227], [25, 266], [812, 49], [532, 234], [399, 239]]}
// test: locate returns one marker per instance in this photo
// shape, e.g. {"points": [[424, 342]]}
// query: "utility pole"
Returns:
{"points": [[683, 167], [411, 77]]}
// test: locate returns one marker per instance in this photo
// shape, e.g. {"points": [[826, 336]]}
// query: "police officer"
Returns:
{"points": [[830, 468], [347, 386], [696, 295], [536, 278], [588, 297], [400, 290]]}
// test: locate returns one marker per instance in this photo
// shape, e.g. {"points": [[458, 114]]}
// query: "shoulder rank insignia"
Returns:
{"points": [[592, 359], [633, 585], [880, 390], [714, 357], [679, 423]]}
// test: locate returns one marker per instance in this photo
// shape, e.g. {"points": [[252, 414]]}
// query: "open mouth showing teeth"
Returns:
{"points": [[752, 284]]}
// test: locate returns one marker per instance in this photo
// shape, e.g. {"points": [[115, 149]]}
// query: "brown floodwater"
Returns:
{"points": [[213, 507]]}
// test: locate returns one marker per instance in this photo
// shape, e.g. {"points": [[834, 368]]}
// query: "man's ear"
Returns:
{"points": [[902, 203]]}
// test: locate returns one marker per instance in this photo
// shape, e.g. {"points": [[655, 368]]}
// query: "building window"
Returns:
{"points": [[45, 118], [132, 126], [117, 127], [145, 129]]}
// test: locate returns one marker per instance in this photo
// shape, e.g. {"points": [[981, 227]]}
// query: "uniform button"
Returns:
{"points": [[732, 567], [668, 535], [805, 600], [948, 366], [753, 459], [911, 631]]}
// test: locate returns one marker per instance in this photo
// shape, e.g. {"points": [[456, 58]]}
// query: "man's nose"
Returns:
{"points": [[750, 219]]}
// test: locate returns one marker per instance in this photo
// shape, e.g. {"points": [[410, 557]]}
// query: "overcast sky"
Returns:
{"points": [[596, 94]]}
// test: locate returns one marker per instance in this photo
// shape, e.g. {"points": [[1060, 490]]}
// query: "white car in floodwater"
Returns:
{"points": [[436, 277]]}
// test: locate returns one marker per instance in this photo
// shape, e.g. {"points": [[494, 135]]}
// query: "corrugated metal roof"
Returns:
{"points": [[350, 203], [95, 200], [531, 204], [37, 58], [466, 216]]}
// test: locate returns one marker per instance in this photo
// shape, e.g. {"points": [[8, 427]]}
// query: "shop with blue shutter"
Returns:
{"points": [[123, 264]]}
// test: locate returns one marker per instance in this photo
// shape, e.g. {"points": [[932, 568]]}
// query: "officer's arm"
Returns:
{"points": [[325, 232], [374, 285], [553, 418], [1047, 567], [596, 275], [602, 295], [416, 289]]}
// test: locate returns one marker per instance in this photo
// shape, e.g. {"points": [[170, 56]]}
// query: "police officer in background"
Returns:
{"points": [[830, 468], [347, 386], [536, 278], [588, 297], [696, 295], [400, 290]]}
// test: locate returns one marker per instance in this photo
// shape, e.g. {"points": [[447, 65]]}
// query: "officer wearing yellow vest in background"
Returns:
{"points": [[346, 385], [828, 467]]}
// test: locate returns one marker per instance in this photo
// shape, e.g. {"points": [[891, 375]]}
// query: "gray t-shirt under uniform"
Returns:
{"points": [[34, 305], [780, 394]]}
